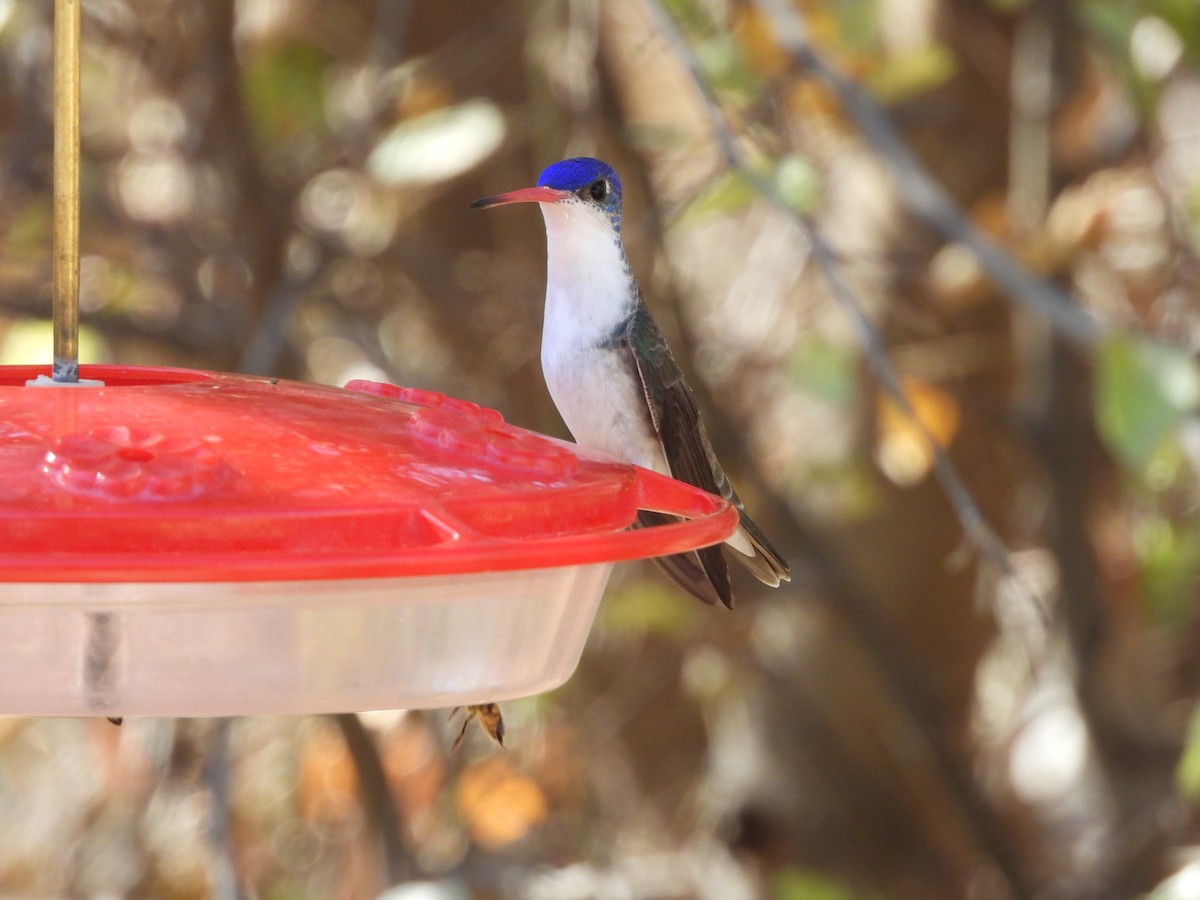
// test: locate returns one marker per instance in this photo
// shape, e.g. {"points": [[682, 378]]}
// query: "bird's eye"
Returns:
{"points": [[598, 190]]}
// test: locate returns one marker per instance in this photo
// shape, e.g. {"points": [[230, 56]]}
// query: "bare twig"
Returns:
{"points": [[223, 876], [923, 195], [260, 209], [1033, 86], [980, 534], [268, 344], [376, 797]]}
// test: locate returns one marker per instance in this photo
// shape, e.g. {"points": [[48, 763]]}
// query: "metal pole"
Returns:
{"points": [[66, 189]]}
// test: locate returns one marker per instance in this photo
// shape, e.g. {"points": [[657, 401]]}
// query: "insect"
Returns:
{"points": [[489, 718]]}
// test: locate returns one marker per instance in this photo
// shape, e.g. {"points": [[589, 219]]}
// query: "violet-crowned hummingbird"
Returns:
{"points": [[610, 372]]}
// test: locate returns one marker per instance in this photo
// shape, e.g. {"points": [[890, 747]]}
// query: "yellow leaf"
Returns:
{"points": [[415, 767], [498, 803], [909, 74], [756, 38], [903, 452], [423, 95], [808, 98], [328, 784]]}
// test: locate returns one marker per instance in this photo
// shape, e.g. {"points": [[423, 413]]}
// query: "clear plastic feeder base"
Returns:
{"points": [[292, 647]]}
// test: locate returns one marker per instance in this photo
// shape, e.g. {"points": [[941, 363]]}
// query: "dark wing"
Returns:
{"points": [[702, 573], [685, 444], [672, 407]]}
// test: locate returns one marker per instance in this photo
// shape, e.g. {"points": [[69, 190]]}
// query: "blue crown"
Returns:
{"points": [[573, 174], [580, 172]]}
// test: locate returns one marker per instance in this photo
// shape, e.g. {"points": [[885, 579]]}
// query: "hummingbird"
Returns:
{"points": [[611, 374]]}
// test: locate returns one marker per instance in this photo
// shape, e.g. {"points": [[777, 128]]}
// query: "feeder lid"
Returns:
{"points": [[172, 475]]}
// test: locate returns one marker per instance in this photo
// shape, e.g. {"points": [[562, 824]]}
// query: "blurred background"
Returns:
{"points": [[927, 711]]}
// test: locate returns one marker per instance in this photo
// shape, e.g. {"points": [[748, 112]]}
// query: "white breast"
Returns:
{"points": [[589, 293], [601, 402]]}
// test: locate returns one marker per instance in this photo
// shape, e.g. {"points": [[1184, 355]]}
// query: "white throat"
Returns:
{"points": [[589, 286], [590, 293]]}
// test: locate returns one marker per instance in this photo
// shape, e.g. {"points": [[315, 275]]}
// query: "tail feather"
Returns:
{"points": [[702, 573], [766, 564]]}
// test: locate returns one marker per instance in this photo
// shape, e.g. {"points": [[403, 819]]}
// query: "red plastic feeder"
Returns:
{"points": [[186, 543]]}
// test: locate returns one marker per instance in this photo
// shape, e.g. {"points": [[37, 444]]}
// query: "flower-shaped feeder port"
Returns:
{"points": [[187, 543]]}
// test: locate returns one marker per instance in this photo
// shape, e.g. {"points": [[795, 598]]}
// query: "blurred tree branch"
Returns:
{"points": [[382, 814], [260, 217], [825, 569], [925, 197], [223, 875], [979, 533]]}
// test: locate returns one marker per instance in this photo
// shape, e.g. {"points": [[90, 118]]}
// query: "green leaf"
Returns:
{"points": [[284, 90], [1192, 209], [1187, 773], [827, 370], [1112, 22], [692, 16], [30, 226], [1143, 392], [643, 607], [28, 341], [802, 884], [725, 67], [907, 75], [728, 193], [798, 183], [1184, 18], [1169, 562], [857, 23], [1010, 6]]}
